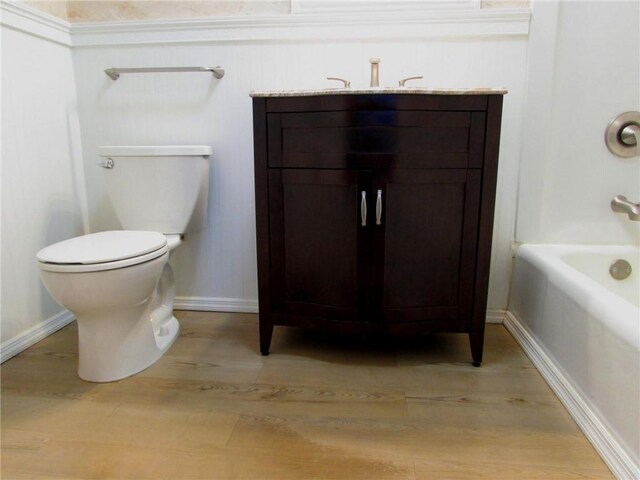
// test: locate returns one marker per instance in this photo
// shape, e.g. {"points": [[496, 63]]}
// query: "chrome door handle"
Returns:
{"points": [[363, 209], [379, 208]]}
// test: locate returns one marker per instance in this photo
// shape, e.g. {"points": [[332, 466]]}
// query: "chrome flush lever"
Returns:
{"points": [[108, 164], [363, 208], [379, 208]]}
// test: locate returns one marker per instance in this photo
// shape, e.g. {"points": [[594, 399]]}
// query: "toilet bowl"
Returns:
{"points": [[119, 284], [120, 288]]}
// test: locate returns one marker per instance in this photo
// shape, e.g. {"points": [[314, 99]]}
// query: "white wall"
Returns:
{"points": [[584, 69], [217, 267], [39, 195]]}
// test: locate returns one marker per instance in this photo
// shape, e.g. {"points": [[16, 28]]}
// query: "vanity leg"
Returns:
{"points": [[266, 331], [476, 339]]}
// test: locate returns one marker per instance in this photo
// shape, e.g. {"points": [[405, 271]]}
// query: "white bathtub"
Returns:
{"points": [[582, 330]]}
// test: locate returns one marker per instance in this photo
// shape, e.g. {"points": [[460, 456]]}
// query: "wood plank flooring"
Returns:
{"points": [[316, 408]]}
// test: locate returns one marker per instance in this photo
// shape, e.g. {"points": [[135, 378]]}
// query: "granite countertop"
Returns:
{"points": [[379, 90]]}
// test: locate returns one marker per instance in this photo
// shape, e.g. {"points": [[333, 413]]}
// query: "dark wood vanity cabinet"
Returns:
{"points": [[375, 212]]}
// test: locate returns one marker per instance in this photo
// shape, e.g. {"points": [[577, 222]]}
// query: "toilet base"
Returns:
{"points": [[130, 357], [119, 343], [167, 334], [124, 315]]}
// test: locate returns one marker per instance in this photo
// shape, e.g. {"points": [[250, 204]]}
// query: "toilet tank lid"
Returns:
{"points": [[155, 151]]}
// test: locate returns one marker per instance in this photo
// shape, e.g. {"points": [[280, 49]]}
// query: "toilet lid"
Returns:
{"points": [[103, 247]]}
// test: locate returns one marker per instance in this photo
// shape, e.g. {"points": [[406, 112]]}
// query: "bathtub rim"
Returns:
{"points": [[616, 311]]}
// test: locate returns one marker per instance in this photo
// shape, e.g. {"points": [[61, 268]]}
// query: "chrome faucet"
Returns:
{"points": [[346, 83], [620, 204], [375, 79]]}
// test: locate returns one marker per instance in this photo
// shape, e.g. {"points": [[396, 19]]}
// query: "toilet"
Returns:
{"points": [[119, 284]]}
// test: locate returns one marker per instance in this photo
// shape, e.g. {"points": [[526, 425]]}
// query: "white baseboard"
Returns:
{"points": [[495, 316], [24, 340], [21, 342], [216, 304], [578, 406], [243, 305]]}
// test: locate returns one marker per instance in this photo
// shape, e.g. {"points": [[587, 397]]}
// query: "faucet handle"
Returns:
{"points": [[402, 82], [622, 136], [630, 136], [347, 83]]}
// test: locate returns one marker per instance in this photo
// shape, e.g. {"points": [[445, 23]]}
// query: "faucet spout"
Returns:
{"points": [[375, 69], [620, 204]]}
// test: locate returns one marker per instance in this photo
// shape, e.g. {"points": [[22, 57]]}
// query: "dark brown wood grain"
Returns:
{"points": [[314, 242], [485, 233], [350, 139], [262, 220], [393, 102], [425, 267], [427, 242]]}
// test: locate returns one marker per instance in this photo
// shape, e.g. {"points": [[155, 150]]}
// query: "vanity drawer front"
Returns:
{"points": [[376, 139], [378, 101]]}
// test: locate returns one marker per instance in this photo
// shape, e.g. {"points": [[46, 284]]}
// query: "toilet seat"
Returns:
{"points": [[102, 251]]}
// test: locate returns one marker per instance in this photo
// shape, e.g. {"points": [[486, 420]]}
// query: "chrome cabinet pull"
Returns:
{"points": [[363, 209], [379, 208]]}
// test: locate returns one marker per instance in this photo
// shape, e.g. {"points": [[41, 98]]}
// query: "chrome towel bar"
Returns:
{"points": [[114, 73]]}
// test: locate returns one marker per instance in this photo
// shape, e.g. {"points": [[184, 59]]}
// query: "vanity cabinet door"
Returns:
{"points": [[426, 245], [318, 245]]}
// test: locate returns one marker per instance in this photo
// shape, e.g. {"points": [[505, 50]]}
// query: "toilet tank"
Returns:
{"points": [[158, 188]]}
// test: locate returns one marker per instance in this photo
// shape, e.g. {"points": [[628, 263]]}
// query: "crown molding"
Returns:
{"points": [[306, 28], [29, 20], [312, 27], [359, 6]]}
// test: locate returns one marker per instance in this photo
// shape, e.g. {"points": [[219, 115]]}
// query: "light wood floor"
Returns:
{"points": [[316, 408]]}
